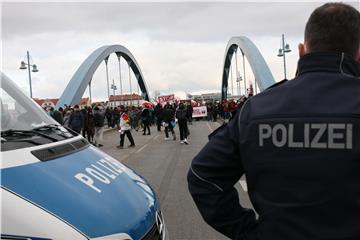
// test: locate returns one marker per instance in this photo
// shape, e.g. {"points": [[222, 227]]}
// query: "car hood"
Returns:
{"points": [[89, 190]]}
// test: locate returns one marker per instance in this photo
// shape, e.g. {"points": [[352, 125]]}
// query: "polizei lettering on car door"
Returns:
{"points": [[103, 171], [310, 135]]}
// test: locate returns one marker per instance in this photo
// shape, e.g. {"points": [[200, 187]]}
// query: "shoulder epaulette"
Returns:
{"points": [[217, 130], [277, 84]]}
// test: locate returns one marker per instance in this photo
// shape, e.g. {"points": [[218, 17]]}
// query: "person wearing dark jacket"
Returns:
{"points": [[117, 115], [57, 115], [84, 113], [90, 123], [76, 120], [99, 118], [182, 121], [298, 143], [209, 108], [215, 112], [189, 112], [168, 117], [145, 118], [158, 115], [109, 116]]}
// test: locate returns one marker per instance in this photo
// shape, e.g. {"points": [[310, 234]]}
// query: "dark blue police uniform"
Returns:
{"points": [[299, 146]]}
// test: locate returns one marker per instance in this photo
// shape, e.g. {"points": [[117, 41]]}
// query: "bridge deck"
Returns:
{"points": [[165, 164]]}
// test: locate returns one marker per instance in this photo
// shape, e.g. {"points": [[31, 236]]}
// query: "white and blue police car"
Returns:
{"points": [[55, 185]]}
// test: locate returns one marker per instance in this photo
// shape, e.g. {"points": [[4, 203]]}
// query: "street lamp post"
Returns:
{"points": [[285, 48], [238, 77], [121, 92], [232, 80], [90, 90], [107, 77], [238, 80], [129, 63], [27, 65], [113, 87]]}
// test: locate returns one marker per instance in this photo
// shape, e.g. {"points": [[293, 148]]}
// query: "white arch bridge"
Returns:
{"points": [[83, 76], [262, 73]]}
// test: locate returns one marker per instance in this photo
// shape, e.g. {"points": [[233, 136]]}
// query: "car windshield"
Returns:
{"points": [[18, 112], [23, 122]]}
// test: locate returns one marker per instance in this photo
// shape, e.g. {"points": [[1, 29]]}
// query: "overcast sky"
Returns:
{"points": [[179, 46]]}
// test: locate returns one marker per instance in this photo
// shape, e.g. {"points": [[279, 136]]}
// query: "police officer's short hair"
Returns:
{"points": [[334, 27]]}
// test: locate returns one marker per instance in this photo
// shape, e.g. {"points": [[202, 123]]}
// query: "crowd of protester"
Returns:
{"points": [[225, 109], [91, 120], [88, 121]]}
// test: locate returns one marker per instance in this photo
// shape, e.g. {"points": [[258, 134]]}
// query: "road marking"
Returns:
{"points": [[218, 124], [124, 157], [211, 130], [141, 148], [243, 185], [173, 158]]}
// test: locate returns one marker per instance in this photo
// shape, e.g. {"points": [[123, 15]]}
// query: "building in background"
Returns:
{"points": [[51, 102], [46, 103], [207, 97], [126, 100]]}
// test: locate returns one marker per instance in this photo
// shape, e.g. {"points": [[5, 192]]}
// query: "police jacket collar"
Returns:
{"points": [[328, 62]]}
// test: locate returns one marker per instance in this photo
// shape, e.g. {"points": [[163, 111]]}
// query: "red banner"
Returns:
{"points": [[166, 98]]}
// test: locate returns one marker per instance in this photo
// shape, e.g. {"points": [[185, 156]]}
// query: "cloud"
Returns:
{"points": [[163, 21], [179, 46]]}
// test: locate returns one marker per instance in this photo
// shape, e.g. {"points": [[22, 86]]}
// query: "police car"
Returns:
{"points": [[55, 185]]}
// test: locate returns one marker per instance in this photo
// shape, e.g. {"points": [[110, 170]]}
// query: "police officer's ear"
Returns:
{"points": [[301, 48], [357, 57]]}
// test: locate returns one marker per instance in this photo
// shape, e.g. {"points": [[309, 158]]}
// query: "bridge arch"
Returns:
{"points": [[83, 76], [263, 75]]}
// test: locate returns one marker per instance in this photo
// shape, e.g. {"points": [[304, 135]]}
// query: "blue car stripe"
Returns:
{"points": [[124, 203]]}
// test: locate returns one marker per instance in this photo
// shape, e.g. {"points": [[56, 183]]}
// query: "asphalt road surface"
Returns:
{"points": [[165, 165]]}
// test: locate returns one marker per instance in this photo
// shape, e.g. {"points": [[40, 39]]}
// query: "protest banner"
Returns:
{"points": [[166, 98], [199, 112]]}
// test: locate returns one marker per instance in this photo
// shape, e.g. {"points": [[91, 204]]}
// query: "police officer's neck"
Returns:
{"points": [[328, 62]]}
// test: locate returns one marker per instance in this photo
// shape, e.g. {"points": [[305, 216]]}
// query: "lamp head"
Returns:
{"points": [[287, 48], [34, 68], [23, 65]]}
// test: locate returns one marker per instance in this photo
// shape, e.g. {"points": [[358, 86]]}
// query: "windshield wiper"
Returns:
{"points": [[53, 127], [28, 133], [47, 127]]}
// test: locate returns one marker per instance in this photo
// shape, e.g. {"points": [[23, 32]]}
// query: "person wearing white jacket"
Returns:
{"points": [[125, 128]]}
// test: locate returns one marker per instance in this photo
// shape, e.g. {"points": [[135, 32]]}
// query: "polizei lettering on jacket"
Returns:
{"points": [[103, 171], [314, 135]]}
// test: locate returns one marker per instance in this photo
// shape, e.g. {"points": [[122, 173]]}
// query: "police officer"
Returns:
{"points": [[297, 143]]}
